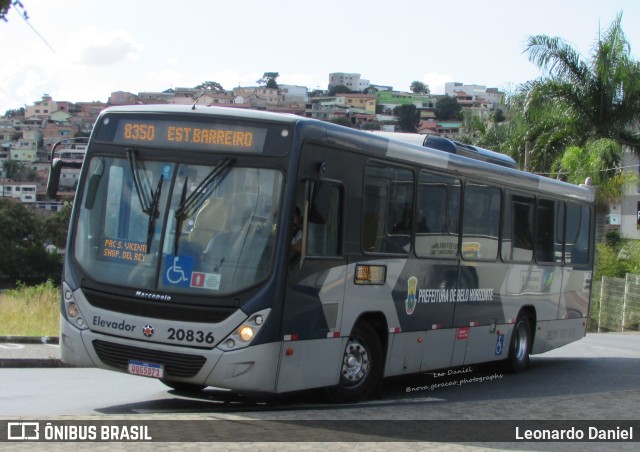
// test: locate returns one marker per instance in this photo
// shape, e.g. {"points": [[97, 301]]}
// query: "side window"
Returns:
{"points": [[577, 234], [437, 216], [325, 239], [387, 209], [481, 222], [549, 231], [517, 236]]}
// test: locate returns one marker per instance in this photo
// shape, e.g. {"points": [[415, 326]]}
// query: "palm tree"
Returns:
{"points": [[592, 108], [600, 97]]}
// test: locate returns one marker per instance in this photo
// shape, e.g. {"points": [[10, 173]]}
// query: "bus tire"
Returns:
{"points": [[520, 345], [361, 367], [180, 386]]}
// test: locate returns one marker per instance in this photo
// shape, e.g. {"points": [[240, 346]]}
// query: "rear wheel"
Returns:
{"points": [[361, 368], [519, 348]]}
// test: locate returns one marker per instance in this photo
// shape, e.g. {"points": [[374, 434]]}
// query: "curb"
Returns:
{"points": [[16, 363], [30, 339]]}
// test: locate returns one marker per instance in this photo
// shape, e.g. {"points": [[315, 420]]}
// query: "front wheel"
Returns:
{"points": [[519, 348], [361, 368]]}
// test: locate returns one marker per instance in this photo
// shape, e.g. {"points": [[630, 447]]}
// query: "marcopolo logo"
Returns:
{"points": [[113, 325], [148, 330]]}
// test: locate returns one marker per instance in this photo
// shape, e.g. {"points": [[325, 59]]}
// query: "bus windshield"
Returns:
{"points": [[177, 227]]}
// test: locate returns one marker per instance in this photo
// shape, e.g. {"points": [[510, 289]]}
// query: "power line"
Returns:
{"points": [[23, 13]]}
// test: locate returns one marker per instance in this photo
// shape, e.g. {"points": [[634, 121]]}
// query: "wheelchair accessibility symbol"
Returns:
{"points": [[178, 270], [500, 345]]}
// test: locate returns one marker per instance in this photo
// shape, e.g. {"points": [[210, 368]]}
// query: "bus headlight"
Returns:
{"points": [[245, 333], [70, 308]]}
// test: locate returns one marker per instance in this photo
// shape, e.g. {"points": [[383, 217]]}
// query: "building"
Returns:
{"points": [[294, 93], [475, 97], [256, 96], [42, 108], [122, 98], [25, 149], [352, 81], [359, 103], [24, 191], [625, 216]]}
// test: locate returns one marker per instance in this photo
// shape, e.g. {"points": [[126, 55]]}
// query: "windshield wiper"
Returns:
{"points": [[149, 204], [137, 182], [154, 213], [191, 203], [179, 218]]}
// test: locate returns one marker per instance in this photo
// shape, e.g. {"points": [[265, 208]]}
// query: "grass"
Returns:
{"points": [[30, 310]]}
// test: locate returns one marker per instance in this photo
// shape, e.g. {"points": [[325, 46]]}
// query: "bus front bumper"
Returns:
{"points": [[249, 369]]}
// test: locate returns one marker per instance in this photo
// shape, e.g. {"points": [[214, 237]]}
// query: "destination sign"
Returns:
{"points": [[194, 135]]}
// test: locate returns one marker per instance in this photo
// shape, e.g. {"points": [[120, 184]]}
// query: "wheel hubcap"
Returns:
{"points": [[356, 363]]}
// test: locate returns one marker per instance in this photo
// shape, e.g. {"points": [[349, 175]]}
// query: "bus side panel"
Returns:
{"points": [[530, 285], [484, 343], [438, 349], [556, 333], [310, 364], [405, 353], [574, 302], [424, 310]]}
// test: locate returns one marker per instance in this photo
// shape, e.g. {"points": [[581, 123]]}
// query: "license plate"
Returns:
{"points": [[146, 369]]}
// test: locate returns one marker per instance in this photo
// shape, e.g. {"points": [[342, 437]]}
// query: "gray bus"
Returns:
{"points": [[263, 252]]}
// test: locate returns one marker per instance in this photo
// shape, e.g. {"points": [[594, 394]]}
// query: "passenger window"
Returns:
{"points": [[577, 234], [549, 231], [324, 239], [387, 209], [517, 236], [437, 216], [481, 222]]}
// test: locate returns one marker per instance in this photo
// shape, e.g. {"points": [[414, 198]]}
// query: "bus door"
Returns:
{"points": [[316, 274], [478, 306]]}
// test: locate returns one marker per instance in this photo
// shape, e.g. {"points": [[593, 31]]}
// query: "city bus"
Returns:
{"points": [[260, 252]]}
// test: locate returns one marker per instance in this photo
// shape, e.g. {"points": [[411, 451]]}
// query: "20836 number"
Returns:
{"points": [[190, 336]]}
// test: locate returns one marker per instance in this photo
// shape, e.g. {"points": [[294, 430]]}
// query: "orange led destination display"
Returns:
{"points": [[124, 250], [191, 135]]}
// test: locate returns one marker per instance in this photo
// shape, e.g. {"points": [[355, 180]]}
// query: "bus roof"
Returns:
{"points": [[386, 145], [231, 112]]}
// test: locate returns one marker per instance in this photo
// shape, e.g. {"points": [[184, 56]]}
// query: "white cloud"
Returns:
{"points": [[102, 49], [311, 81], [436, 81]]}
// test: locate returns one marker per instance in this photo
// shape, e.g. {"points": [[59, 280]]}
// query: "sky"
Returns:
{"points": [[83, 50]]}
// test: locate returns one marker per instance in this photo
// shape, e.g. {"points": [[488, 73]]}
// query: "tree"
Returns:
{"points": [[342, 122], [448, 108], [55, 227], [14, 112], [210, 86], [418, 87], [269, 79], [408, 117], [599, 98], [18, 171], [5, 5], [339, 89], [21, 245]]}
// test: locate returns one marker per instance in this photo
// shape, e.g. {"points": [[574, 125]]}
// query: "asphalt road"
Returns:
{"points": [[592, 379]]}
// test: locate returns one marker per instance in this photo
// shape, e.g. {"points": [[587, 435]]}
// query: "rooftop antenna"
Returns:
{"points": [[193, 107]]}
